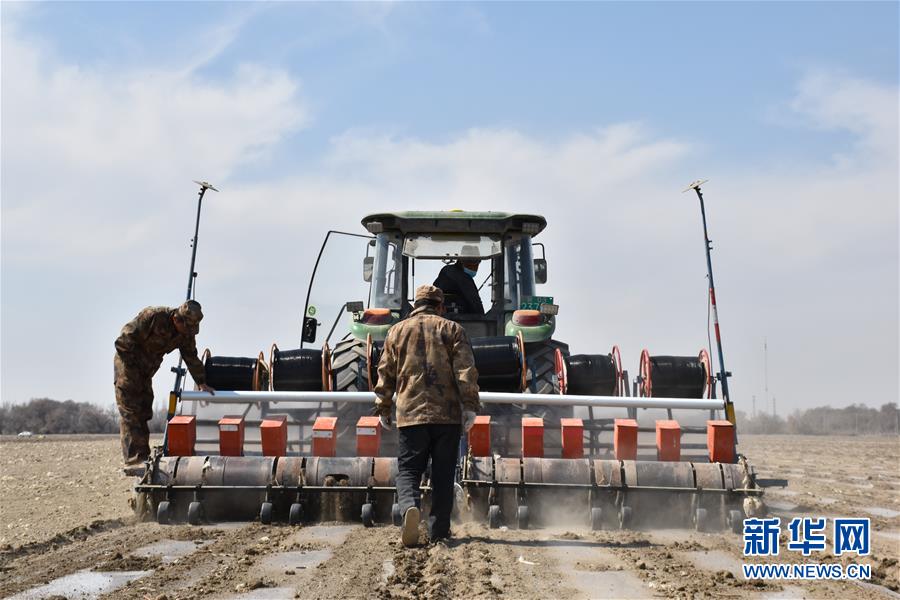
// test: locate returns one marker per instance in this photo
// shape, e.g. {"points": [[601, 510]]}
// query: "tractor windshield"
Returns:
{"points": [[519, 281], [449, 245], [387, 284]]}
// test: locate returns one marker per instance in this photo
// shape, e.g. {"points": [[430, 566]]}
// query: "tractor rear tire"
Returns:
{"points": [[349, 364], [541, 379], [540, 360]]}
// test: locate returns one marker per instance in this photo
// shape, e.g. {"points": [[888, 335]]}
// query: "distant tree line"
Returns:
{"points": [[43, 415], [855, 419]]}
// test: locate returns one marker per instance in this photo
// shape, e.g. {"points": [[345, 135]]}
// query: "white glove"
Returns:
{"points": [[385, 422], [468, 420]]}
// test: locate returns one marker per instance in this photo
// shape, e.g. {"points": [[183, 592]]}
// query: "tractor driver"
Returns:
{"points": [[156, 331], [458, 279]]}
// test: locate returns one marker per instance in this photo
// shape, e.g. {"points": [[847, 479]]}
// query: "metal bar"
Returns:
{"points": [[471, 482], [146, 487], [761, 482], [232, 397], [588, 486]]}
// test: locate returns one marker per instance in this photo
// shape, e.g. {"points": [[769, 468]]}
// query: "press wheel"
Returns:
{"points": [[367, 515], [265, 513], [625, 516], [701, 519], [522, 517], [195, 513], [295, 516], [164, 513], [736, 520], [494, 516]]}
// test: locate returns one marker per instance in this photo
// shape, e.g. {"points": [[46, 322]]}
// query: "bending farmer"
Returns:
{"points": [[156, 331], [428, 361]]}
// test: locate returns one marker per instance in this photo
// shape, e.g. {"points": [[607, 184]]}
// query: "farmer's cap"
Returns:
{"points": [[431, 293], [191, 314]]}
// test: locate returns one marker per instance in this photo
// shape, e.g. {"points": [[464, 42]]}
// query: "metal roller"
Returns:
{"points": [[489, 487], [210, 485], [607, 494], [709, 509], [384, 503], [331, 472], [290, 472], [561, 505], [667, 504]]}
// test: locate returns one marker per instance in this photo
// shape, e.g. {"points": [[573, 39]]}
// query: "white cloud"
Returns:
{"points": [[832, 101], [87, 149]]}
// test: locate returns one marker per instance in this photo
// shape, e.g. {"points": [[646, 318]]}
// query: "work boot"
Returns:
{"points": [[135, 467], [409, 533]]}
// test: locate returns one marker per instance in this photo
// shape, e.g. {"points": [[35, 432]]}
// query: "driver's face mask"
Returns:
{"points": [[470, 272]]}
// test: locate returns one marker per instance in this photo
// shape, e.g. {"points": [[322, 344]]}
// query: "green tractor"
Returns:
{"points": [[513, 338]]}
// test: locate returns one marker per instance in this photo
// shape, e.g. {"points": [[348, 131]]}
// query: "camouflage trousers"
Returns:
{"points": [[134, 397]]}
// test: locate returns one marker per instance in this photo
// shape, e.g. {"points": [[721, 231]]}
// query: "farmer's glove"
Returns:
{"points": [[205, 388], [385, 421], [468, 420]]}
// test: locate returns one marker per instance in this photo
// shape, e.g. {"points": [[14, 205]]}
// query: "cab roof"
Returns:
{"points": [[454, 221]]}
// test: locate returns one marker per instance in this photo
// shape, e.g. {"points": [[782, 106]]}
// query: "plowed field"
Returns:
{"points": [[67, 531]]}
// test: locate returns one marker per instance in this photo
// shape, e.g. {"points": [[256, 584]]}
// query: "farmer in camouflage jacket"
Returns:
{"points": [[156, 331], [427, 360]]}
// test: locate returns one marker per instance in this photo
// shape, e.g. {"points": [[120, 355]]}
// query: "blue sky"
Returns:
{"points": [[543, 68], [310, 115]]}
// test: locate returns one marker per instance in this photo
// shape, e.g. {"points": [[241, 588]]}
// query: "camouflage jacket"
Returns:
{"points": [[427, 360], [150, 336]]}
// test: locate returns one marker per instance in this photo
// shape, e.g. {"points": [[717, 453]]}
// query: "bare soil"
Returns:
{"points": [[64, 509]]}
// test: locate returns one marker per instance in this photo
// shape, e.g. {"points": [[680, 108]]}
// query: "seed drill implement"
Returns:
{"points": [[561, 437]]}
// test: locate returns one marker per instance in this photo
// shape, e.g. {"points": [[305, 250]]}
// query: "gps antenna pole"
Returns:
{"points": [[723, 374], [192, 275]]}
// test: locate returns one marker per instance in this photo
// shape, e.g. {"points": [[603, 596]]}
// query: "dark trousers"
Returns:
{"points": [[417, 444], [134, 397]]}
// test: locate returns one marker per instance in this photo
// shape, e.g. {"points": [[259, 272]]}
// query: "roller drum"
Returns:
{"points": [[673, 376], [296, 370], [558, 506], [709, 476], [234, 373], [336, 472], [218, 504], [591, 375], [384, 475], [480, 497], [499, 363], [609, 478], [659, 508]]}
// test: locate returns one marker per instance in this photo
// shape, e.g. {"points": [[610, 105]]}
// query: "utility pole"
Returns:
{"points": [[754, 406], [766, 367]]}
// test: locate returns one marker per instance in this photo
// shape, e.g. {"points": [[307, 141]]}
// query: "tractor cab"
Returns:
{"points": [[411, 248]]}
